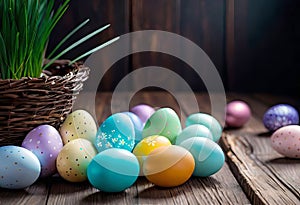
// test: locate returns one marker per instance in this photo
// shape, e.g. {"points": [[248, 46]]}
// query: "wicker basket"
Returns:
{"points": [[29, 102]]}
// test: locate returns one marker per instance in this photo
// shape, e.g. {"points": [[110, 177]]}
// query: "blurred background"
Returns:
{"points": [[253, 43]]}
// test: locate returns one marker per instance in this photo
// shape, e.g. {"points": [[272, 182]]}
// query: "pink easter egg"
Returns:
{"points": [[286, 141], [238, 113]]}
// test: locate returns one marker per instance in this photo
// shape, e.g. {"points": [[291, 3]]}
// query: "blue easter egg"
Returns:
{"points": [[279, 116], [137, 124], [208, 121], [194, 131], [113, 170], [117, 131], [208, 155]]}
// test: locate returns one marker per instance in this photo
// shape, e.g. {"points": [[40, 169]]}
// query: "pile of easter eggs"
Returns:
{"points": [[142, 142]]}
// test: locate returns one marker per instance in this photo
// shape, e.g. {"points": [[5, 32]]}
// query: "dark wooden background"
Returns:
{"points": [[253, 43]]}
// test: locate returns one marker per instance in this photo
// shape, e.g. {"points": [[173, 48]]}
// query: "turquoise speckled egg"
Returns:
{"points": [[194, 131], [164, 122], [113, 170], [208, 121], [208, 155], [116, 131]]}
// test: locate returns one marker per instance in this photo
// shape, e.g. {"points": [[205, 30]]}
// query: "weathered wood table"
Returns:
{"points": [[253, 173]]}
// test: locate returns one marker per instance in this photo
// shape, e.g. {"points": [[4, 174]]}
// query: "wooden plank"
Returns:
{"points": [[35, 194], [266, 176]]}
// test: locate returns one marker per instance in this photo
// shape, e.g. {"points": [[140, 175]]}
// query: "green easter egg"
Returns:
{"points": [[195, 130], [164, 122], [208, 121]]}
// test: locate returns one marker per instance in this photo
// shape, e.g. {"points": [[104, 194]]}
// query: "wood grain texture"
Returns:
{"points": [[266, 176], [34, 195]]}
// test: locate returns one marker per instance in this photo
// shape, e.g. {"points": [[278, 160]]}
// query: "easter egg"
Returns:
{"points": [[45, 142], [169, 166], [209, 157], [280, 115], [79, 124], [116, 131], [195, 130], [148, 144], [164, 122], [113, 170], [238, 113], [208, 121], [286, 141], [74, 158], [19, 168], [143, 111], [137, 124]]}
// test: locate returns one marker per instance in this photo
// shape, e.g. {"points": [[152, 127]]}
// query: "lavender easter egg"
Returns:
{"points": [[286, 141], [279, 116], [117, 131], [143, 111], [238, 113], [46, 143]]}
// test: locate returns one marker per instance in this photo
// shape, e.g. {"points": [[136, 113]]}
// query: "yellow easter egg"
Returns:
{"points": [[79, 124], [147, 145], [74, 158]]}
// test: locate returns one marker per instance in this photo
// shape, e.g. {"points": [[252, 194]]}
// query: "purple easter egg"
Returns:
{"points": [[46, 143], [279, 116], [143, 111], [237, 113]]}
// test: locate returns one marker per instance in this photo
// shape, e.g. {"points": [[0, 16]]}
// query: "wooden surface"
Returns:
{"points": [[253, 173]]}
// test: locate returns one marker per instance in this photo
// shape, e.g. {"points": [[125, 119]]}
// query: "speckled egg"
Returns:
{"points": [[286, 141], [147, 145], [79, 124], [74, 158], [113, 170], [116, 131], [19, 168], [169, 166], [164, 122], [238, 113], [208, 155], [195, 130], [143, 111], [45, 142], [208, 121], [137, 124], [280, 115]]}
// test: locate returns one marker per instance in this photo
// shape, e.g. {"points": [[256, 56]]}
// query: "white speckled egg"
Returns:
{"points": [[45, 142], [286, 141], [19, 168], [79, 124]]}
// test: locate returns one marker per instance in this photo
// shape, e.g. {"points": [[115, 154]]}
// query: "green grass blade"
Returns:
{"points": [[94, 50], [76, 44], [67, 37]]}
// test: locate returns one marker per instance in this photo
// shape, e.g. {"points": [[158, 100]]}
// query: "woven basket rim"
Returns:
{"points": [[80, 68]]}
